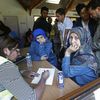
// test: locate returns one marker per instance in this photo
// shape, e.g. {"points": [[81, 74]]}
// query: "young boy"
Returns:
{"points": [[41, 47]]}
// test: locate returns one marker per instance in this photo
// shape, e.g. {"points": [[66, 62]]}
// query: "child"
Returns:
{"points": [[41, 47], [79, 62]]}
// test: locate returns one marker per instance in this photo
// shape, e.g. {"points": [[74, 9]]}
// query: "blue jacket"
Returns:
{"points": [[37, 50], [81, 74]]}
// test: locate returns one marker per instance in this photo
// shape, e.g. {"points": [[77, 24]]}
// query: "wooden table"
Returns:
{"points": [[51, 92]]}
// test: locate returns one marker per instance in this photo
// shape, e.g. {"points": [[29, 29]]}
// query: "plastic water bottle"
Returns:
{"points": [[60, 80], [29, 61]]}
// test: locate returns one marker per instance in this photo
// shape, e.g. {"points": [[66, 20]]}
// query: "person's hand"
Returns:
{"points": [[45, 75], [30, 74], [72, 48], [44, 57], [26, 73]]}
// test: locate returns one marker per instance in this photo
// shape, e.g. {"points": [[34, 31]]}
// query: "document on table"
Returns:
{"points": [[49, 81]]}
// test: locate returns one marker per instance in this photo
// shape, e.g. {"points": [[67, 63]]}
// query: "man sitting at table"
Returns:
{"points": [[11, 79], [41, 47]]}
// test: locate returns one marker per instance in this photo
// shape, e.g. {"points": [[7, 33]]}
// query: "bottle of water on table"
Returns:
{"points": [[29, 62], [60, 79]]}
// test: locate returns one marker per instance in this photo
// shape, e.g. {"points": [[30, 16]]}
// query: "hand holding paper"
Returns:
{"points": [[49, 81], [45, 74]]}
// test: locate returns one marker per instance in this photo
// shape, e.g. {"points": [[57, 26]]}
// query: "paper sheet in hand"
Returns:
{"points": [[49, 81]]}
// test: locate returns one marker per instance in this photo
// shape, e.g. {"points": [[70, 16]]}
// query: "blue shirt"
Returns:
{"points": [[38, 50]]}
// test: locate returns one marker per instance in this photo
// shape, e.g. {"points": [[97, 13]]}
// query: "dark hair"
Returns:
{"points": [[44, 8], [7, 43], [93, 4], [60, 11], [79, 7]]}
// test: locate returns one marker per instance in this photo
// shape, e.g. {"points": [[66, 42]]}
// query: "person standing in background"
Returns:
{"points": [[84, 20], [41, 21], [57, 41], [4, 30], [94, 10], [64, 25], [50, 25]]}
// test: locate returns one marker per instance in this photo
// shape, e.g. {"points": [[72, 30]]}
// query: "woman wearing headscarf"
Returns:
{"points": [[79, 62], [41, 47]]}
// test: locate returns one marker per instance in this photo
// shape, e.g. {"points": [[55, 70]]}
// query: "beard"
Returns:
{"points": [[98, 15]]}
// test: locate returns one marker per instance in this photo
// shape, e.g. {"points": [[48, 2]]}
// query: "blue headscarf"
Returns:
{"points": [[84, 55], [38, 32]]}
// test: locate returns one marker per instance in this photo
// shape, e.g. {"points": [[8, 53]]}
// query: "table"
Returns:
{"points": [[51, 92]]}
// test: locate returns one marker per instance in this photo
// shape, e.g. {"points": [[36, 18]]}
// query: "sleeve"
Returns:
{"points": [[96, 39], [34, 55], [48, 47], [58, 25], [45, 49], [13, 81], [68, 23], [73, 70]]}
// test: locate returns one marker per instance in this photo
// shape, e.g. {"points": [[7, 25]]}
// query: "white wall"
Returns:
{"points": [[37, 12], [25, 21], [13, 8]]}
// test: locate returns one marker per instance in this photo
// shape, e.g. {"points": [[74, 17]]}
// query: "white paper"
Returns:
{"points": [[49, 81]]}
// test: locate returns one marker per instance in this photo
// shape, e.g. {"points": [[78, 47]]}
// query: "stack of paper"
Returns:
{"points": [[49, 81]]}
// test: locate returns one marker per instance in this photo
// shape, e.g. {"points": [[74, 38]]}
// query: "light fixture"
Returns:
{"points": [[53, 1]]}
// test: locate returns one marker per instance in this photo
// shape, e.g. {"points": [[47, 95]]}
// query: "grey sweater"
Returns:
{"points": [[11, 79]]}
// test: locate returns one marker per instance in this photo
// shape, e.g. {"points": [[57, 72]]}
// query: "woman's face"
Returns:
{"points": [[74, 40]]}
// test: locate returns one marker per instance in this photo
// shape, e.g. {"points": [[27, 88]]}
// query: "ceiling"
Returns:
{"points": [[67, 4], [62, 3]]}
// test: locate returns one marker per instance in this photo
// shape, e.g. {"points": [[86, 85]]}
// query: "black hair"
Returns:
{"points": [[79, 7], [44, 8], [93, 4], [60, 11], [7, 43]]}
